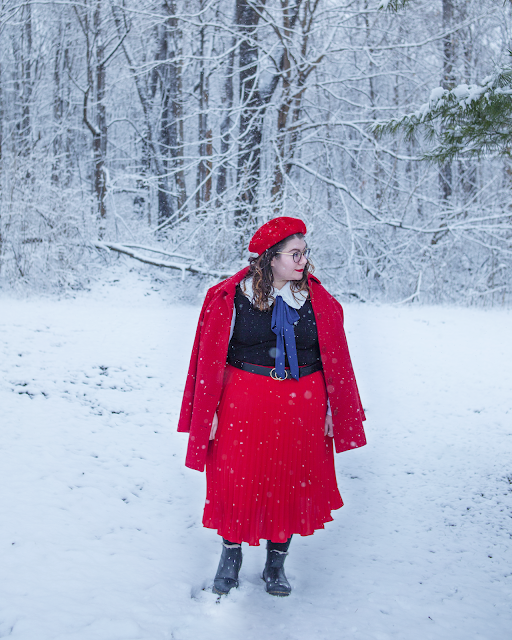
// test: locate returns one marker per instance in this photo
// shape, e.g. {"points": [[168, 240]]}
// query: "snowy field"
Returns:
{"points": [[101, 535]]}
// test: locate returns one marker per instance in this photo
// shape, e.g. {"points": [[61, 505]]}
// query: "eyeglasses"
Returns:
{"points": [[297, 255]]}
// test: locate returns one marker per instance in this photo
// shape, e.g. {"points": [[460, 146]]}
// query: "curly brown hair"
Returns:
{"points": [[262, 277]]}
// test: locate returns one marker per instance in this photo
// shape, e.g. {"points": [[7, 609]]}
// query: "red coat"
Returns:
{"points": [[203, 387]]}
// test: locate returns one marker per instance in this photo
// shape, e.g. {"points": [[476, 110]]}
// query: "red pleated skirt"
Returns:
{"points": [[270, 470]]}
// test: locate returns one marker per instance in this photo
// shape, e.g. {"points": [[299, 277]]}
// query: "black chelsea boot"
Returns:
{"points": [[276, 582], [229, 567]]}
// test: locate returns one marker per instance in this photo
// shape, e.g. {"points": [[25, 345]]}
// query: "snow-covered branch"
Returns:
{"points": [[474, 120], [180, 266]]}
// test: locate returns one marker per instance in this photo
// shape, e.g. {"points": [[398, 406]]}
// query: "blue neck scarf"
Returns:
{"points": [[283, 318]]}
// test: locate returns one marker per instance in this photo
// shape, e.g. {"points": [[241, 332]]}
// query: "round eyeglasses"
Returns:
{"points": [[297, 255]]}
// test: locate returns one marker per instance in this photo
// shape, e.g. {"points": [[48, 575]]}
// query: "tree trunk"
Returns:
{"points": [[171, 126], [96, 79], [22, 81], [176, 131], [141, 202], [26, 71], [292, 79], [377, 168], [100, 139], [204, 180], [209, 167], [448, 82], [165, 208], [282, 118], [60, 168], [57, 108], [225, 126], [249, 140]]}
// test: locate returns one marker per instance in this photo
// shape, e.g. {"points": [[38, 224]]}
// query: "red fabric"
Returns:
{"points": [[204, 382], [270, 470], [274, 231]]}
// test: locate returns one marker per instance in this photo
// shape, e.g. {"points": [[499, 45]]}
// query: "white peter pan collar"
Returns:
{"points": [[293, 299]]}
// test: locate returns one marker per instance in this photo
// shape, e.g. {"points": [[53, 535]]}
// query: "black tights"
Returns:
{"points": [[271, 546]]}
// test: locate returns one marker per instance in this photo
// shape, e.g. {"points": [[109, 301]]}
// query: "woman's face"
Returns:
{"points": [[283, 266]]}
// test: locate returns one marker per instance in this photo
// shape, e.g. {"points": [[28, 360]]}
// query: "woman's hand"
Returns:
{"points": [[328, 426], [215, 424]]}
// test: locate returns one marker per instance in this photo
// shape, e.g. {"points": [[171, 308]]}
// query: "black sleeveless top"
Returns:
{"points": [[253, 340]]}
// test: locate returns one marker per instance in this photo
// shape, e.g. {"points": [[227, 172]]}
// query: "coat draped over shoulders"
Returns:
{"points": [[204, 383]]}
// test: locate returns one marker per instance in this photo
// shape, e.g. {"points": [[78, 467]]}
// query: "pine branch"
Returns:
{"points": [[469, 120]]}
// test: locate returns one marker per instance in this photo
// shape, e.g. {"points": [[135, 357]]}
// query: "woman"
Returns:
{"points": [[270, 384]]}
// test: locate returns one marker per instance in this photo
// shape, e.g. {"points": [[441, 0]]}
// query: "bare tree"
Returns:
{"points": [[91, 18]]}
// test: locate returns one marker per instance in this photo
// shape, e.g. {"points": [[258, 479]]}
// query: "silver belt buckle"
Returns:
{"points": [[274, 375]]}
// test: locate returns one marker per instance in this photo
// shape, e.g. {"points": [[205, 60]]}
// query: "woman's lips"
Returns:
{"points": [[299, 270]]}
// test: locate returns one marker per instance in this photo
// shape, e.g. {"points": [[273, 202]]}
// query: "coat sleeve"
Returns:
{"points": [[190, 384], [344, 338], [341, 386]]}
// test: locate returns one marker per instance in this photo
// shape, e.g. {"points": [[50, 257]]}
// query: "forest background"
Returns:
{"points": [[171, 129]]}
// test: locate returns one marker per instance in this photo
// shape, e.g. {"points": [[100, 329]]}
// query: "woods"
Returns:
{"points": [[181, 126]]}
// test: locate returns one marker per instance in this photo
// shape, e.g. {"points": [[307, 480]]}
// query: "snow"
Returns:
{"points": [[101, 533], [461, 91], [436, 94], [464, 94]]}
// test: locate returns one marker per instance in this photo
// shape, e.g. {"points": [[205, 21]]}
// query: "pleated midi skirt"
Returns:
{"points": [[270, 470]]}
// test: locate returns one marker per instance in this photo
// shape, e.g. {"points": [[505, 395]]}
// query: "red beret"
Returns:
{"points": [[274, 231]]}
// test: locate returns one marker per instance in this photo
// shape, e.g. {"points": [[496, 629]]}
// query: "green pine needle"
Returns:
{"points": [[469, 121]]}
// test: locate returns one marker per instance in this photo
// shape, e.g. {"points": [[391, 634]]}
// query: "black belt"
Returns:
{"points": [[271, 373]]}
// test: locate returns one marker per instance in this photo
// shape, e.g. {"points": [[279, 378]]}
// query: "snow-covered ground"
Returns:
{"points": [[101, 534]]}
